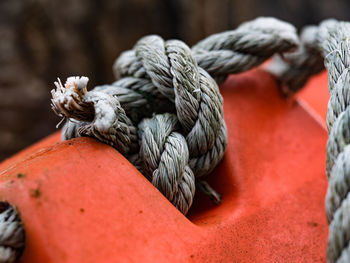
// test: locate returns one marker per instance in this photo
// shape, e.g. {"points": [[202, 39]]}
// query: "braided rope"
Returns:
{"points": [[331, 41], [160, 76], [12, 236]]}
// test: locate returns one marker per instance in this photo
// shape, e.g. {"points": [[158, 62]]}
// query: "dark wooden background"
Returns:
{"points": [[41, 40]]}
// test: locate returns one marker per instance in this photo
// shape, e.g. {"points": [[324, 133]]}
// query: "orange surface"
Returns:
{"points": [[316, 95], [81, 201]]}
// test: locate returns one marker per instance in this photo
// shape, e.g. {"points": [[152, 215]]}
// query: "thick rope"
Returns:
{"points": [[248, 46], [331, 41], [225, 53], [12, 235], [99, 115], [295, 68], [164, 156], [138, 97], [160, 76]]}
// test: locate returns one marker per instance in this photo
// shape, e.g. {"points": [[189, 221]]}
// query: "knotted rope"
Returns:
{"points": [[165, 156], [12, 236], [225, 53], [98, 115], [160, 76], [330, 40]]}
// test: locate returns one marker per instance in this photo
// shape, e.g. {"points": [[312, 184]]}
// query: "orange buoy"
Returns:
{"points": [[316, 94], [81, 201]]}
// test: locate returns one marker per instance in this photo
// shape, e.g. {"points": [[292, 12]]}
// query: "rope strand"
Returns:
{"points": [[331, 41], [12, 235]]}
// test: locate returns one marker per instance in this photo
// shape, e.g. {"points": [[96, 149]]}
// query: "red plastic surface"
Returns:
{"points": [[316, 95], [81, 201]]}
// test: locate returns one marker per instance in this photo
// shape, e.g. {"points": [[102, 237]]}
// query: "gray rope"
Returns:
{"points": [[164, 156], [99, 115], [160, 76], [294, 69], [171, 68], [12, 235], [225, 53], [138, 97], [72, 98], [248, 46], [330, 40]]}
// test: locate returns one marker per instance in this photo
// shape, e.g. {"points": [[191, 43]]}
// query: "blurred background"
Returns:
{"points": [[41, 40]]}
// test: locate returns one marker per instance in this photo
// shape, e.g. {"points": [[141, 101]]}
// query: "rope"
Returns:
{"points": [[331, 41], [295, 68], [99, 115], [12, 236], [160, 76], [225, 53], [166, 156], [248, 46]]}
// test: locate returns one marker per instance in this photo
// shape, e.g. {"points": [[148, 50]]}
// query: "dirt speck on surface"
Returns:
{"points": [[312, 224], [36, 193], [21, 175]]}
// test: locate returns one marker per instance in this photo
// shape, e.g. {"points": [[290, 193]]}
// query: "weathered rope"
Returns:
{"points": [[12, 235], [248, 46], [221, 54], [295, 68], [331, 41], [198, 103], [138, 97], [98, 114], [165, 156], [225, 53], [160, 76]]}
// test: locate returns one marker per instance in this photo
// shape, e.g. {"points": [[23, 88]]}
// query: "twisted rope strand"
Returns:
{"points": [[229, 52], [12, 235], [295, 68], [336, 51], [331, 41], [164, 155], [138, 97]]}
